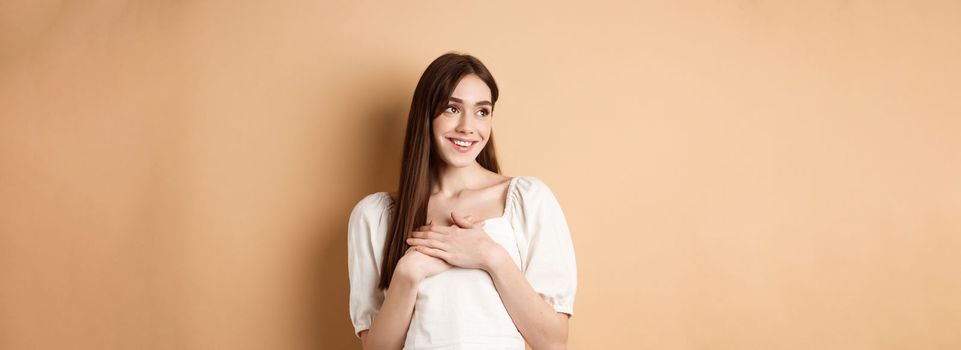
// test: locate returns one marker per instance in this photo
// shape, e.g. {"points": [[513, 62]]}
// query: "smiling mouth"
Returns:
{"points": [[461, 145]]}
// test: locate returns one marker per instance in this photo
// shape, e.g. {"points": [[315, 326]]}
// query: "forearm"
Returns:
{"points": [[537, 320], [389, 328]]}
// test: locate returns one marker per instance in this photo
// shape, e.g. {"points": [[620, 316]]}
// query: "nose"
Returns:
{"points": [[465, 125]]}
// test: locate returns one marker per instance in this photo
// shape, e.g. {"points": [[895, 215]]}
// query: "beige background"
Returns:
{"points": [[737, 174]]}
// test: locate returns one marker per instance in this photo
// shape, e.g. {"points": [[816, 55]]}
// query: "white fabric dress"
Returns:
{"points": [[460, 308]]}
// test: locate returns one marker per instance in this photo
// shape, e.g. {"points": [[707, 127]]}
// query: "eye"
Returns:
{"points": [[450, 109], [484, 112]]}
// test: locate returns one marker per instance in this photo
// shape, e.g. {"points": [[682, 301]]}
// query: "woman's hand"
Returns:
{"points": [[417, 266], [464, 244]]}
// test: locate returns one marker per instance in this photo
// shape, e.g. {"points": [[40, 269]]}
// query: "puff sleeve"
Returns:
{"points": [[363, 265], [549, 263]]}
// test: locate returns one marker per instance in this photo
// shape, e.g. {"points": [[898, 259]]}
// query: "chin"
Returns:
{"points": [[462, 162]]}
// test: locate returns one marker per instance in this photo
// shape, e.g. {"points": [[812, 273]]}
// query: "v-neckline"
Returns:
{"points": [[507, 201]]}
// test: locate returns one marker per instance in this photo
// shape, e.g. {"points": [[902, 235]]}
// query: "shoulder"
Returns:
{"points": [[534, 205], [530, 186], [532, 193], [371, 205]]}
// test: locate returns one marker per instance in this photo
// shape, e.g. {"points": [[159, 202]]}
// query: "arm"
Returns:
{"points": [[537, 321], [381, 318], [389, 329]]}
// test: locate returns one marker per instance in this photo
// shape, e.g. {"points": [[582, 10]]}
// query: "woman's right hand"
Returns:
{"points": [[417, 266]]}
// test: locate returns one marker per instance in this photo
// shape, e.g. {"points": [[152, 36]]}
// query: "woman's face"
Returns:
{"points": [[462, 129]]}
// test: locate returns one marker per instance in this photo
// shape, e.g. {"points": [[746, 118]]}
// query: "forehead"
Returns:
{"points": [[471, 89]]}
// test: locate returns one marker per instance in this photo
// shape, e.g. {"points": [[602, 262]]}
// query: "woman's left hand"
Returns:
{"points": [[464, 244]]}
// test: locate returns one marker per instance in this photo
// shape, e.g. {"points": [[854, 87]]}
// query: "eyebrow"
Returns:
{"points": [[484, 102]]}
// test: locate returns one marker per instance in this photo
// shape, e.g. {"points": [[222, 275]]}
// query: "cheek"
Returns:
{"points": [[485, 130], [437, 129], [441, 125]]}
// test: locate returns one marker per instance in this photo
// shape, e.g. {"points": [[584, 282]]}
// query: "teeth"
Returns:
{"points": [[462, 143]]}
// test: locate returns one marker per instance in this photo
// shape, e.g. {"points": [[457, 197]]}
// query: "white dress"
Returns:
{"points": [[460, 308]]}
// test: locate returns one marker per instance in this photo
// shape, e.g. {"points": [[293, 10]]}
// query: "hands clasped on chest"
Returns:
{"points": [[435, 248]]}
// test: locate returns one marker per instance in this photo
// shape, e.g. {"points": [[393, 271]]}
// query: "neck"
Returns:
{"points": [[450, 181]]}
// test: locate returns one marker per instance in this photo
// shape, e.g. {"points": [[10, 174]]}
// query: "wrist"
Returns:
{"points": [[495, 258], [404, 279], [405, 275]]}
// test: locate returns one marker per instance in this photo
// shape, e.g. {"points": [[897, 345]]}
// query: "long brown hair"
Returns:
{"points": [[420, 162]]}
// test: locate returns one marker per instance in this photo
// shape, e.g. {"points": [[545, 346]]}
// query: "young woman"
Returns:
{"points": [[460, 257]]}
